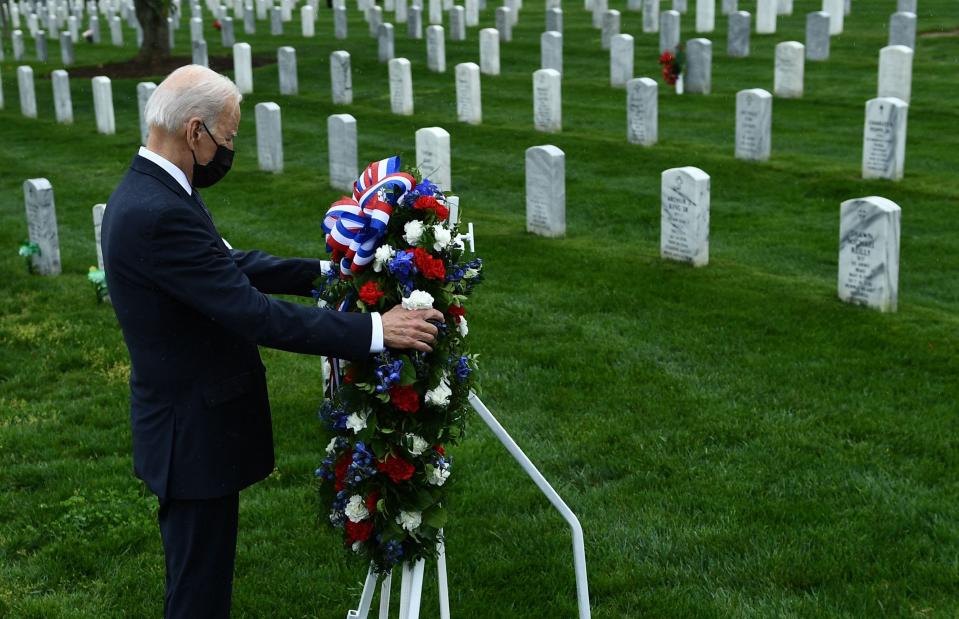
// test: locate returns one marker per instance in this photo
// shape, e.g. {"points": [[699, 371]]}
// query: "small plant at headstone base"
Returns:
{"points": [[98, 278], [29, 249], [673, 67], [384, 481]]}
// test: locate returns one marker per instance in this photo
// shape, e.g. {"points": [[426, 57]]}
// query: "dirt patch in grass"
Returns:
{"points": [[937, 34], [131, 69]]}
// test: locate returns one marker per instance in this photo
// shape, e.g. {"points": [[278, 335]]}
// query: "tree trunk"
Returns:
{"points": [[152, 15]]}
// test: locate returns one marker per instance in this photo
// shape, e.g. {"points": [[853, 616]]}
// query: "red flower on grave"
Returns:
{"points": [[340, 471], [405, 398], [216, 24], [396, 469], [370, 293], [429, 203], [666, 58], [456, 310], [430, 267], [358, 531]]}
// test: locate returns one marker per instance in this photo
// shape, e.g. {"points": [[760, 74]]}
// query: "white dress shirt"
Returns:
{"points": [[376, 343]]}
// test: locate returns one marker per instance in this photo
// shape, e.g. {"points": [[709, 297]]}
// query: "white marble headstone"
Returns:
{"points": [[66, 49], [435, 49], [144, 90], [737, 44], [196, 29], [789, 69], [504, 23], [668, 31], [469, 108], [97, 227], [884, 138], [62, 102], [650, 16], [895, 72], [684, 222], [457, 17], [611, 23], [308, 21], [414, 23], [554, 20], [200, 55], [766, 16], [902, 29], [28, 92], [243, 67], [433, 156], [489, 51], [401, 87], [385, 48], [340, 23], [42, 225], [817, 36], [705, 15], [103, 105], [642, 111], [836, 12], [269, 137], [621, 60], [341, 79], [754, 114], [546, 191], [547, 101], [286, 62], [869, 253], [551, 51], [342, 150], [699, 66]]}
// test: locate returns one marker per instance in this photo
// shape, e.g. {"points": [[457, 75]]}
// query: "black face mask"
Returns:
{"points": [[209, 174]]}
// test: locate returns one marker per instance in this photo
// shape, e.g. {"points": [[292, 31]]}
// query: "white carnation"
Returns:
{"points": [[442, 236], [418, 444], [356, 421], [384, 253], [414, 231], [357, 546], [410, 521], [438, 474], [417, 300], [440, 395], [356, 509], [462, 327], [331, 447]]}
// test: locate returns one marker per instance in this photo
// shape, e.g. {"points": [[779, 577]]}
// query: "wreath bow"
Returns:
{"points": [[354, 226]]}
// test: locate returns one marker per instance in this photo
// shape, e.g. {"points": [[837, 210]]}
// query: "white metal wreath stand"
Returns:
{"points": [[411, 587]]}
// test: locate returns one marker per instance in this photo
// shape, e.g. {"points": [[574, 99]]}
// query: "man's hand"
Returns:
{"points": [[404, 329]]}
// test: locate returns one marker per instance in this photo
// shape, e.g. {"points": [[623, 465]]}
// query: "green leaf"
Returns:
{"points": [[435, 517]]}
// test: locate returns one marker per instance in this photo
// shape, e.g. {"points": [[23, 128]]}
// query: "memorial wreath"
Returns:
{"points": [[385, 477]]}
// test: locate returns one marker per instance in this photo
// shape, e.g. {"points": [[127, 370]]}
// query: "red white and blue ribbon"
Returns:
{"points": [[355, 225]]}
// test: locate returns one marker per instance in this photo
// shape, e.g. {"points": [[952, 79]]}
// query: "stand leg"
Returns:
{"points": [[416, 590], [366, 599], [385, 596], [405, 592], [441, 578]]}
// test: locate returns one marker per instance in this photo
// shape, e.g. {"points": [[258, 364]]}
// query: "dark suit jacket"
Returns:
{"points": [[192, 314]]}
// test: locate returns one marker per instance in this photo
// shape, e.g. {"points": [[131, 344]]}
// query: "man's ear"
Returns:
{"points": [[194, 127]]}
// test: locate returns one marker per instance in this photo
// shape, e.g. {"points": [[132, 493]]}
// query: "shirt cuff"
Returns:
{"points": [[376, 342]]}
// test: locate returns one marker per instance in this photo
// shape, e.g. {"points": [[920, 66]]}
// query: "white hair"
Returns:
{"points": [[190, 91]]}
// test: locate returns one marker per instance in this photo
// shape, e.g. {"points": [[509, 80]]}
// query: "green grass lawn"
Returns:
{"points": [[735, 441]]}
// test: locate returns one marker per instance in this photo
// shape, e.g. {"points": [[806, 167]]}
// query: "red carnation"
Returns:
{"points": [[426, 203], [456, 310], [370, 293], [405, 398], [666, 58], [371, 500], [442, 213], [358, 531], [340, 471], [350, 376], [439, 449], [396, 469], [216, 24], [430, 267]]}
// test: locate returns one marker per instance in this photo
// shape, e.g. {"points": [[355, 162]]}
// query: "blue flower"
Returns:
{"points": [[388, 374], [463, 369], [392, 552]]}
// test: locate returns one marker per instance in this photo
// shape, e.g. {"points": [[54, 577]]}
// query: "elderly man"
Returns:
{"points": [[192, 311]]}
